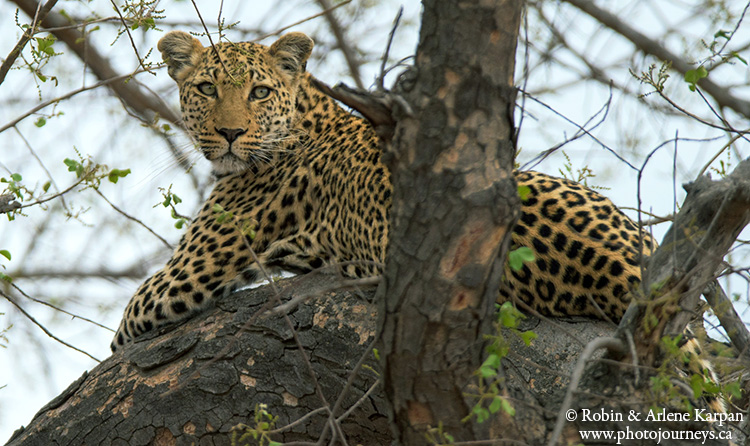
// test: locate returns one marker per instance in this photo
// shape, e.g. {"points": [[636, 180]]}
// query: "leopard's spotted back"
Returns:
{"points": [[587, 252]]}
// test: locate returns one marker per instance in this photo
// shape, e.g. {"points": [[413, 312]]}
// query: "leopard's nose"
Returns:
{"points": [[230, 134]]}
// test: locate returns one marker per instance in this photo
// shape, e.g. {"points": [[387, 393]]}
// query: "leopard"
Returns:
{"points": [[300, 185]]}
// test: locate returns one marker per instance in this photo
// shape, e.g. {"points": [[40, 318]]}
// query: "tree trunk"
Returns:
{"points": [[454, 203]]}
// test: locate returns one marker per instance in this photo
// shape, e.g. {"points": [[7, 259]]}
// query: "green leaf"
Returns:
{"points": [[44, 44], [46, 186], [116, 174], [738, 57], [40, 122], [496, 404], [16, 177], [224, 217], [523, 192], [508, 315], [179, 224], [481, 413], [5, 253], [507, 407], [6, 277], [692, 77], [734, 389], [696, 383], [723, 34], [528, 336], [376, 353], [492, 361], [217, 208], [517, 257], [487, 372], [175, 198], [74, 166]]}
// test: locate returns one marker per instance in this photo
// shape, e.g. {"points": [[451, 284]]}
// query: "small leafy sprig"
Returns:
{"points": [[170, 200], [653, 77], [264, 422], [489, 390], [92, 174]]}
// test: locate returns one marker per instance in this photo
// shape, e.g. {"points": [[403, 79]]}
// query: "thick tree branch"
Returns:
{"points": [[721, 95], [691, 253]]}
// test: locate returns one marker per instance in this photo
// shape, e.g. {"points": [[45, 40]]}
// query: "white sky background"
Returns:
{"points": [[34, 368]]}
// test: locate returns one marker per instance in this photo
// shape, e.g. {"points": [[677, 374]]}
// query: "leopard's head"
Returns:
{"points": [[239, 100]]}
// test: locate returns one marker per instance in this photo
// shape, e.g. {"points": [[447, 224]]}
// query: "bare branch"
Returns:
{"points": [[343, 43], [61, 310], [131, 218], [591, 348], [730, 320], [649, 46], [42, 327], [307, 19], [65, 96]]}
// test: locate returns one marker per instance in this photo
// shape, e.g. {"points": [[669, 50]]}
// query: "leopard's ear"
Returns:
{"points": [[180, 51], [291, 52]]}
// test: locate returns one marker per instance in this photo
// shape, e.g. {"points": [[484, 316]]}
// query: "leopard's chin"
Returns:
{"points": [[229, 164]]}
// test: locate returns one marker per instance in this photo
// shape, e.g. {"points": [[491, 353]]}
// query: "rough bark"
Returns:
{"points": [[454, 202], [182, 388], [193, 384]]}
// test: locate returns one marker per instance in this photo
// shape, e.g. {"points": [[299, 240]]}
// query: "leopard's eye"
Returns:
{"points": [[260, 93], [207, 88]]}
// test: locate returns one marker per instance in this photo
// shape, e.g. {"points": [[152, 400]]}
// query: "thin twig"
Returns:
{"points": [[298, 421], [299, 22], [65, 96], [359, 401], [130, 36], [343, 43], [725, 147], [381, 77], [211, 42], [42, 327], [723, 96], [130, 217], [42, 165], [47, 304], [52, 197], [591, 348]]}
